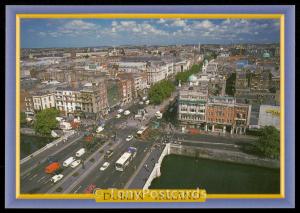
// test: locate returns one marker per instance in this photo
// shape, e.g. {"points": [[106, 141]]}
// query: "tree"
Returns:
{"points": [[23, 118], [268, 143], [230, 84], [160, 91], [46, 121], [184, 76]]}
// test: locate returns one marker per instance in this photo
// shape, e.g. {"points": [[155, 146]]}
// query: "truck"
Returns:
{"points": [[80, 152], [68, 161], [51, 168]]}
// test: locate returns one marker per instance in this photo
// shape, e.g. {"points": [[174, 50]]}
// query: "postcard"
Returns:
{"points": [[140, 107]]}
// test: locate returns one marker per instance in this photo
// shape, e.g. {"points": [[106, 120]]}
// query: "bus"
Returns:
{"points": [[141, 131], [125, 159]]}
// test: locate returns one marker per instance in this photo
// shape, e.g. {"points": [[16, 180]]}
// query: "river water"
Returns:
{"points": [[182, 172]]}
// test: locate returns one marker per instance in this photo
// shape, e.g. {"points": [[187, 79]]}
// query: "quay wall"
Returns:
{"points": [[208, 153]]}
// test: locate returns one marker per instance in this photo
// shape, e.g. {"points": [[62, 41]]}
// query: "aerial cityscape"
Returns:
{"points": [[150, 104]]}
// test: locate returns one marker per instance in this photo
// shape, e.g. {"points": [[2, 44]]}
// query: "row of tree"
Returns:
{"points": [[184, 76], [160, 91]]}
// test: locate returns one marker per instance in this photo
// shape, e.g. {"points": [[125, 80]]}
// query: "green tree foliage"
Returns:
{"points": [[230, 84], [268, 143], [184, 76], [160, 91], [46, 121], [23, 118]]}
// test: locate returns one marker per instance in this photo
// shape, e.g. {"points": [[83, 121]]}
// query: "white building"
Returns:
{"points": [[68, 100], [269, 116], [43, 101]]}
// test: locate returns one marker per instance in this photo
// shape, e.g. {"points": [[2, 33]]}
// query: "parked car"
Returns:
{"points": [[75, 163], [129, 138], [104, 166], [120, 110], [56, 178], [118, 116], [141, 103]]}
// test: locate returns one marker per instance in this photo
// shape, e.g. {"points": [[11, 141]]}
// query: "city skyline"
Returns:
{"points": [[68, 33]]}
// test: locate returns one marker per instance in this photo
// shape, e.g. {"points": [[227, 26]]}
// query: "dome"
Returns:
{"points": [[192, 78]]}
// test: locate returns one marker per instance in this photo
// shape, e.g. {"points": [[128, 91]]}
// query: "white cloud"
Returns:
{"points": [[42, 34], [178, 23], [161, 21], [206, 24], [79, 25]]}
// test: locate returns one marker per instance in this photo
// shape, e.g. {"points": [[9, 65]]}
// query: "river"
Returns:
{"points": [[215, 176]]}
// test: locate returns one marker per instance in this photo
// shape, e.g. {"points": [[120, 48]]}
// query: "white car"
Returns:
{"points": [[141, 103], [127, 112], [129, 138], [75, 163], [99, 129], [147, 102], [120, 110], [104, 166], [118, 116], [56, 178]]}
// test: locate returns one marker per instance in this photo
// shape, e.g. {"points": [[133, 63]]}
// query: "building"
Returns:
{"points": [[94, 99], [241, 83], [192, 106], [68, 100], [224, 114], [260, 81], [198, 110], [125, 87], [269, 116], [43, 100], [158, 71]]}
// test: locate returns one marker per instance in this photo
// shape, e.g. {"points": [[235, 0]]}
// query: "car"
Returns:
{"points": [[90, 189], [99, 129], [56, 178], [118, 116], [129, 138], [108, 154], [52, 159], [127, 112], [141, 103], [104, 166], [147, 102], [75, 163], [120, 110]]}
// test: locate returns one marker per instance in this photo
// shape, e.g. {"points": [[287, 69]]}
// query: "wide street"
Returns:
{"points": [[35, 180], [76, 180]]}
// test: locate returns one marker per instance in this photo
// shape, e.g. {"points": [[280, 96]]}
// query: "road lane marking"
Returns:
{"points": [[77, 189], [41, 179]]}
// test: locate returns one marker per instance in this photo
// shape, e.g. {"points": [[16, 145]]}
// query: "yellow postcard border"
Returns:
{"points": [[281, 195]]}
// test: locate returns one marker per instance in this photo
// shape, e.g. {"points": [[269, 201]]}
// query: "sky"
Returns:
{"points": [[43, 33]]}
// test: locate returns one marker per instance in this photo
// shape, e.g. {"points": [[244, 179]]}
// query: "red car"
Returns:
{"points": [[90, 189]]}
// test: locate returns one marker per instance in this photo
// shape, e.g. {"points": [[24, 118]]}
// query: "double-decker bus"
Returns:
{"points": [[125, 159]]}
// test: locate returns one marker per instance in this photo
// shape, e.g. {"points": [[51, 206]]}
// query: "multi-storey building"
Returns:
{"points": [[125, 87], [68, 100], [192, 106], [93, 98], [216, 113], [43, 100], [224, 113]]}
